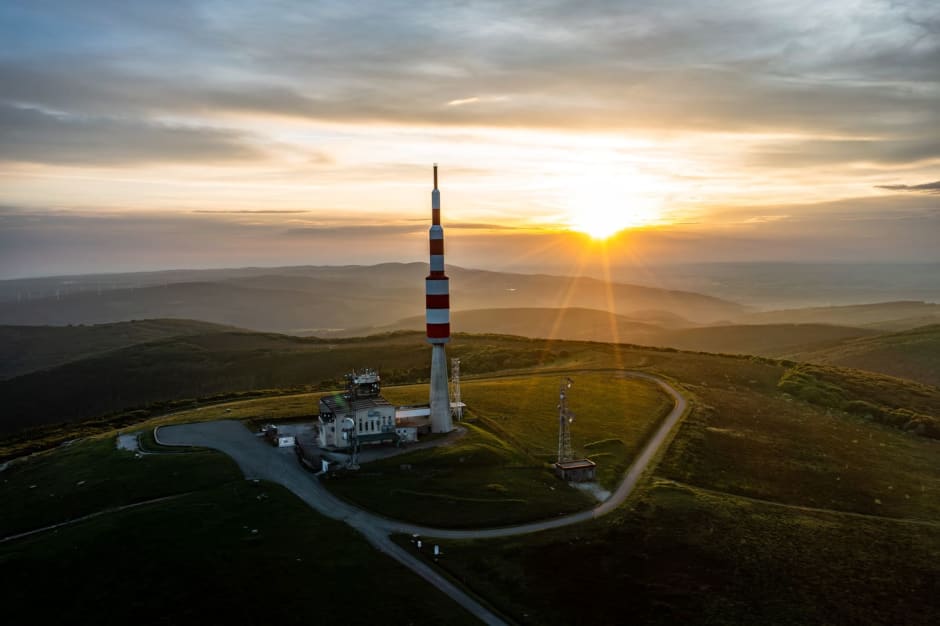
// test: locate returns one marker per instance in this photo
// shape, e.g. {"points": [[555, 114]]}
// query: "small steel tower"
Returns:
{"points": [[565, 417]]}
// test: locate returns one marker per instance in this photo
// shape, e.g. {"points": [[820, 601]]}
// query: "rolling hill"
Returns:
{"points": [[784, 484], [25, 349], [314, 299], [774, 340], [889, 316], [577, 324], [129, 383], [214, 363], [912, 354]]}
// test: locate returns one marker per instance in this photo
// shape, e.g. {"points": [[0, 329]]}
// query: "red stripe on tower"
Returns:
{"points": [[437, 288]]}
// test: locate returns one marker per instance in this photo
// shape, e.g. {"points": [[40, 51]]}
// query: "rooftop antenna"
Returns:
{"points": [[565, 417]]}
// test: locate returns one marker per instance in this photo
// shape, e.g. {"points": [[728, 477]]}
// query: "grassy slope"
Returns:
{"points": [[28, 348], [764, 340], [191, 560], [686, 553], [882, 314], [575, 324], [91, 475], [498, 473], [215, 363], [579, 324], [912, 354], [678, 555], [701, 551]]}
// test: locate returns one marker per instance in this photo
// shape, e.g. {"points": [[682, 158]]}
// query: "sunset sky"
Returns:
{"points": [[148, 135]]}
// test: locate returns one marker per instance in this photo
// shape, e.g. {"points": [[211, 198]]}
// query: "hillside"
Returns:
{"points": [[912, 354], [890, 316], [200, 366], [129, 383], [784, 482], [763, 339], [578, 324], [25, 349], [310, 300]]}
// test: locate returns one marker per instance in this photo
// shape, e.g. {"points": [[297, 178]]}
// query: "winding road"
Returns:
{"points": [[259, 460]]}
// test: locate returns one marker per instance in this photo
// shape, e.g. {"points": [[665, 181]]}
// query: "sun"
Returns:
{"points": [[601, 207]]}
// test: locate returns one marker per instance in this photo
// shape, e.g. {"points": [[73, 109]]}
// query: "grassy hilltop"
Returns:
{"points": [[913, 354], [791, 493]]}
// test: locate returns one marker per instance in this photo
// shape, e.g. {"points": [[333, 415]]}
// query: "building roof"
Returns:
{"points": [[576, 464]]}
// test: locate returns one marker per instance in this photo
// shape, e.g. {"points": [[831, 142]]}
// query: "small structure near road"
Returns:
{"points": [[277, 438], [578, 471]]}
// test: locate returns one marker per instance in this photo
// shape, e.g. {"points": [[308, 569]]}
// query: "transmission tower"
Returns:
{"points": [[565, 417], [455, 386]]}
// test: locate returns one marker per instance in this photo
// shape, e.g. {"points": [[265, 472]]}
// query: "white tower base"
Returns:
{"points": [[441, 421]]}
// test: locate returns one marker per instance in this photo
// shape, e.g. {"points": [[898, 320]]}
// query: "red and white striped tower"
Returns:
{"points": [[437, 303]]}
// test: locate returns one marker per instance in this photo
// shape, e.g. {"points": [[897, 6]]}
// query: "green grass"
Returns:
{"points": [[499, 473], [901, 404], [238, 553], [691, 550], [478, 481], [679, 555], [523, 411], [695, 551], [92, 475], [912, 354], [153, 374], [769, 448]]}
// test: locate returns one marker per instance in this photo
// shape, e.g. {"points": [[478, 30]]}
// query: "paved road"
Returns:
{"points": [[259, 460]]}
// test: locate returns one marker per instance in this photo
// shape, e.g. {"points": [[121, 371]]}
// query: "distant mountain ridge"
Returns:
{"points": [[310, 299]]}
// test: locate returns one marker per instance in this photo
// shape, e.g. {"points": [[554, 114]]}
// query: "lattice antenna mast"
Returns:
{"points": [[565, 417], [455, 387]]}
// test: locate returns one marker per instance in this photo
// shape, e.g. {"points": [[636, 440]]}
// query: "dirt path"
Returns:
{"points": [[258, 460], [91, 516], [808, 509]]}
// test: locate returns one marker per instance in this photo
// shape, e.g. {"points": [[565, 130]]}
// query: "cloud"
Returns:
{"points": [[462, 101], [812, 152], [346, 231], [932, 188], [252, 211], [33, 135], [600, 65]]}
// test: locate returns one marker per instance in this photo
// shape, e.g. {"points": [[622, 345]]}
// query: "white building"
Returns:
{"points": [[373, 419], [371, 416]]}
